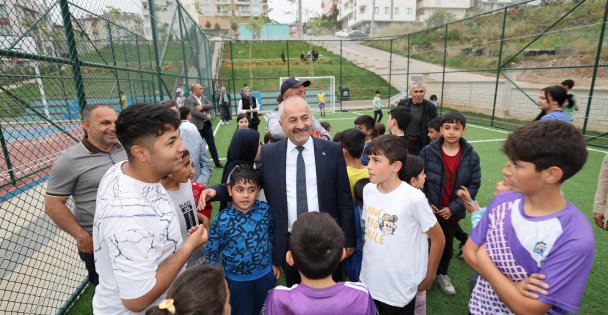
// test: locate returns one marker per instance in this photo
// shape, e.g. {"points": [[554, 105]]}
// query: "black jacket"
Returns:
{"points": [[468, 175], [428, 112]]}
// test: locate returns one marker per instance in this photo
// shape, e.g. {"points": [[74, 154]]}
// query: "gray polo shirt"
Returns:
{"points": [[77, 173]]}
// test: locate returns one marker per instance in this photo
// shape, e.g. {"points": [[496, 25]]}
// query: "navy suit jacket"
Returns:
{"points": [[333, 190]]}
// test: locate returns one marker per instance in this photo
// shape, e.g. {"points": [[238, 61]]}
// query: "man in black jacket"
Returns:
{"points": [[422, 111], [199, 107]]}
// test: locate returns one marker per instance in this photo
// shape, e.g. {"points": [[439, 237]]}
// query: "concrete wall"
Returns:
{"points": [[513, 103]]}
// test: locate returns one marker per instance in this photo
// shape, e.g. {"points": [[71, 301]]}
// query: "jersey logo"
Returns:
{"points": [[540, 248]]}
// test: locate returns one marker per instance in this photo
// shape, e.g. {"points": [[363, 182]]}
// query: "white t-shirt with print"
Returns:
{"points": [[135, 229], [395, 254], [183, 199]]}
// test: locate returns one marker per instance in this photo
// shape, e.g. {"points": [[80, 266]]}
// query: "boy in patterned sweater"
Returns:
{"points": [[533, 232], [242, 235]]}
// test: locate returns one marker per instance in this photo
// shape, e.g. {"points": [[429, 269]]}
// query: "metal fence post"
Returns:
{"points": [[390, 73], [445, 57], [155, 43], [407, 75], [7, 158], [340, 86], [288, 72], [181, 35], [114, 60], [499, 67], [73, 52], [233, 77], [595, 66]]}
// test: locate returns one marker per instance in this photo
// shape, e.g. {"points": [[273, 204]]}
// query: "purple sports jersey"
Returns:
{"points": [[342, 298], [560, 245]]}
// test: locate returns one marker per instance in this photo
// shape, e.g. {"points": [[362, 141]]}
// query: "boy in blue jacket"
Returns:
{"points": [[451, 162], [242, 236]]}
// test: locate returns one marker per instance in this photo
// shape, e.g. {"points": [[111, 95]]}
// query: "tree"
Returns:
{"points": [[234, 27], [439, 17], [217, 26], [208, 24], [255, 26]]}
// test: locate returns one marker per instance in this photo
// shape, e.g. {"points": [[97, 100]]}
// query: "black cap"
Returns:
{"points": [[292, 83]]}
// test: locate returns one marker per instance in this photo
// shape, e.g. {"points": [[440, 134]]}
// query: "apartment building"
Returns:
{"points": [[491, 5], [16, 18], [426, 8], [223, 12], [358, 14]]}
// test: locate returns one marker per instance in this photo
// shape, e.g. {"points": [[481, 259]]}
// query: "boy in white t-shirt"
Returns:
{"points": [[179, 187], [398, 221]]}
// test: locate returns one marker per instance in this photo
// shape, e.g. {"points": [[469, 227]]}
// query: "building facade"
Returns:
{"points": [[328, 6], [426, 8], [359, 14], [225, 12]]}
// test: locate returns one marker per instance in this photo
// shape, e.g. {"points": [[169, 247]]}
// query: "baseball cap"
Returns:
{"points": [[292, 83]]}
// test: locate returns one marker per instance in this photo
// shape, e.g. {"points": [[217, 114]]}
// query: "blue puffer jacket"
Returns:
{"points": [[468, 175]]}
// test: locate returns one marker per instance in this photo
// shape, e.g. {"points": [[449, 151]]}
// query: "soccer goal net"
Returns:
{"points": [[327, 85]]}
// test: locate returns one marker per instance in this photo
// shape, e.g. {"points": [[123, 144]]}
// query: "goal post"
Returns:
{"points": [[327, 84]]}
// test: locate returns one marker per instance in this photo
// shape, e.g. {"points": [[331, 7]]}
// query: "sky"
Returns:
{"points": [[285, 12]]}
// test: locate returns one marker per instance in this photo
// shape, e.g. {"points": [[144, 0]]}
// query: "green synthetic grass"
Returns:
{"points": [[580, 190], [267, 67]]}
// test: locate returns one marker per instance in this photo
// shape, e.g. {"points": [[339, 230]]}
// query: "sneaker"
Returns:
{"points": [[445, 284]]}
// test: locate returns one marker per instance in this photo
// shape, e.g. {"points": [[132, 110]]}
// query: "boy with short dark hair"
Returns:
{"points": [[398, 223], [242, 235], [352, 141], [366, 124], [316, 249], [434, 128], [451, 162], [533, 231], [179, 187]]}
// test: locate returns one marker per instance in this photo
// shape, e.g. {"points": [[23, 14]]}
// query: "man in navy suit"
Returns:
{"points": [[327, 188]]}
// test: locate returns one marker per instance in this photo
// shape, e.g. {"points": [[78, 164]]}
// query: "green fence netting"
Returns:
{"points": [[56, 57]]}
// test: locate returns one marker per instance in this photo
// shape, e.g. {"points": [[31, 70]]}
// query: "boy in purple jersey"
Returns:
{"points": [[316, 248], [533, 232]]}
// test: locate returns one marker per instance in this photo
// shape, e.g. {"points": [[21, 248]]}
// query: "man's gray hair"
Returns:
{"points": [[195, 84], [89, 109], [418, 84], [290, 100]]}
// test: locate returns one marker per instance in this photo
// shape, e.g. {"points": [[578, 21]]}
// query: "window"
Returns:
{"points": [[408, 11], [256, 10], [437, 1], [206, 10], [385, 10], [362, 10], [396, 10], [376, 10]]}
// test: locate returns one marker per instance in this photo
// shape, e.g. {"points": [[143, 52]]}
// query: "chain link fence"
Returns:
{"points": [[57, 57], [491, 65]]}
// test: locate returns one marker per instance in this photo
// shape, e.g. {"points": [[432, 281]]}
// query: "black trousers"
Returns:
{"points": [[385, 309], [89, 262], [378, 115], [448, 251], [207, 134], [414, 147]]}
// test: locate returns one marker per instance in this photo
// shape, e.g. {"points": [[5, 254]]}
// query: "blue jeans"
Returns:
{"points": [[247, 297], [89, 262]]}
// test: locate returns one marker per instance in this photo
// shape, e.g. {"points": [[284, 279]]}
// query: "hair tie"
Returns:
{"points": [[167, 305]]}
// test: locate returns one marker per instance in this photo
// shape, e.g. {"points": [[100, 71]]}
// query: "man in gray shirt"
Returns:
{"points": [[77, 173]]}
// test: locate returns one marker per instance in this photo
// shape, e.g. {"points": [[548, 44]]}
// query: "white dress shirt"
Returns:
{"points": [[291, 161]]}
